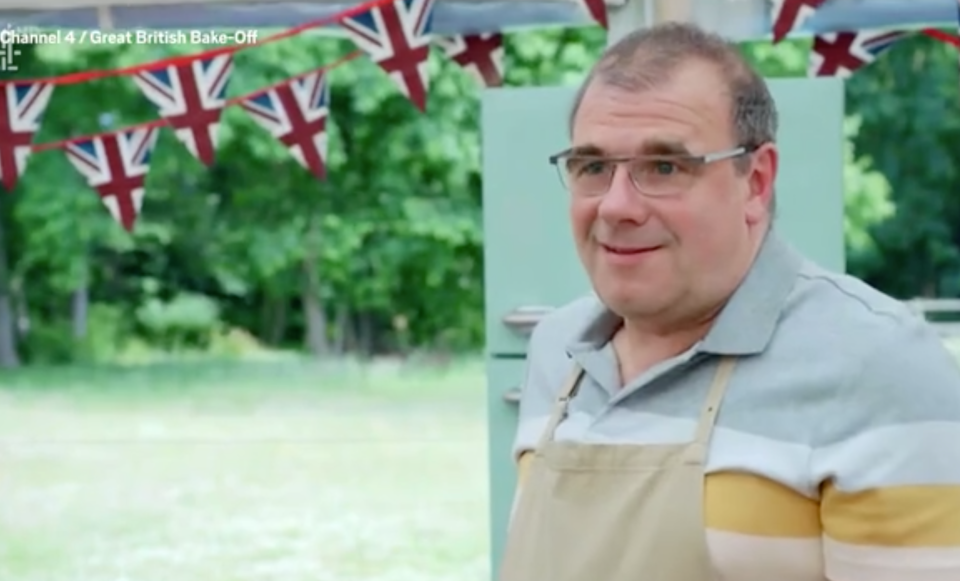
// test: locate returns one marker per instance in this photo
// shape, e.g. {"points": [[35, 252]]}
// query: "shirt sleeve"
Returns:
{"points": [[890, 492]]}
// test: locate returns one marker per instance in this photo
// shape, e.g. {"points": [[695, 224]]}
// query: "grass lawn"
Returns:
{"points": [[268, 471]]}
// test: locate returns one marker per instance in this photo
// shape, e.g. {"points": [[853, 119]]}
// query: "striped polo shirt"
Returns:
{"points": [[837, 449]]}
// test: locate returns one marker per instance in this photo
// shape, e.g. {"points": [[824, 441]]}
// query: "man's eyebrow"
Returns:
{"points": [[663, 147], [586, 149]]}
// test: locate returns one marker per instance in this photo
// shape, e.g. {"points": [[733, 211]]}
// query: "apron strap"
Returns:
{"points": [[711, 407], [560, 405]]}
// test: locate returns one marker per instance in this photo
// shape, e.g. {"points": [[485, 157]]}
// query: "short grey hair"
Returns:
{"points": [[648, 57]]}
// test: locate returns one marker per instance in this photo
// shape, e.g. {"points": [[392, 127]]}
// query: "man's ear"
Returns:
{"points": [[761, 180]]}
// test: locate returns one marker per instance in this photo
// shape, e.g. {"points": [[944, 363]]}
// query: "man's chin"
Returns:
{"points": [[632, 302]]}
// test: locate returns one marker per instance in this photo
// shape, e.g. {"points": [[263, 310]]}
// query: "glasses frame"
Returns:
{"points": [[700, 160]]}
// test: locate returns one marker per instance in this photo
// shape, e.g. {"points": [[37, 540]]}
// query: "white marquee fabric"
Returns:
{"points": [[738, 19]]}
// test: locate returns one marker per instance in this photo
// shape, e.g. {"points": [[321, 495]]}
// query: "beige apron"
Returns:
{"points": [[610, 512]]}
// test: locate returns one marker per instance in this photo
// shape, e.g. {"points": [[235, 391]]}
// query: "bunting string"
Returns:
{"points": [[942, 36]]}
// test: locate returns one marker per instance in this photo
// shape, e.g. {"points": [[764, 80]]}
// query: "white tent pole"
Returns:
{"points": [[628, 15], [104, 18]]}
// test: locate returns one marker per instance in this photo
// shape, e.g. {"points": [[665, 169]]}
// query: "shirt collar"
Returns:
{"points": [[746, 324]]}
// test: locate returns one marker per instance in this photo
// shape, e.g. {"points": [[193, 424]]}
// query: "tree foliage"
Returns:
{"points": [[386, 254]]}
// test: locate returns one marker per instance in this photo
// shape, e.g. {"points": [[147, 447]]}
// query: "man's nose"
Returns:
{"points": [[623, 202]]}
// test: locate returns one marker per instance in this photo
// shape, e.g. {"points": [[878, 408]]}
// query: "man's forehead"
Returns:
{"points": [[671, 118], [695, 85], [624, 125], [689, 75]]}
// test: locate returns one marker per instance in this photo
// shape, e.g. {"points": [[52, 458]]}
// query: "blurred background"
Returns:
{"points": [[280, 378]]}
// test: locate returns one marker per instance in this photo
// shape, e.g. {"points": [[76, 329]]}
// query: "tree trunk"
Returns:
{"points": [[9, 358], [314, 315], [342, 330], [273, 318], [80, 311], [278, 328], [8, 343], [20, 310]]}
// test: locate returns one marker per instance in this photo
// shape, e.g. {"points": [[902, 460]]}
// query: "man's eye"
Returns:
{"points": [[593, 167], [664, 168]]}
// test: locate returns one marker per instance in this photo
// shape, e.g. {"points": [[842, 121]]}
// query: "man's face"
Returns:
{"points": [[649, 256]]}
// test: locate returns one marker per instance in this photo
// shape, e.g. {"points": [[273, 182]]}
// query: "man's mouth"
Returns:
{"points": [[628, 250]]}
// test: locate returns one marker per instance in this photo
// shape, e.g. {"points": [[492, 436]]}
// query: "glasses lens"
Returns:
{"points": [[587, 176], [662, 177], [562, 174], [657, 177]]}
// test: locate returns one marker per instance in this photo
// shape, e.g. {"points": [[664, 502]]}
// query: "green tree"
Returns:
{"points": [[907, 100], [384, 255]]}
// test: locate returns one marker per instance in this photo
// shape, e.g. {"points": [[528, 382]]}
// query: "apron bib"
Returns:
{"points": [[612, 512]]}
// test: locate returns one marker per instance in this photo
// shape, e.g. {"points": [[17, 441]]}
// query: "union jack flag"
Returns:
{"points": [[397, 37], [481, 55], [295, 112], [191, 96], [842, 53], [789, 15], [597, 9], [116, 165], [20, 114]]}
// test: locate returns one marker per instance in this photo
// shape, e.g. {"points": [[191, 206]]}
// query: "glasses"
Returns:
{"points": [[656, 176]]}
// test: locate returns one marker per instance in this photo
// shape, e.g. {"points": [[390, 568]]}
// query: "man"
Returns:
{"points": [[722, 408]]}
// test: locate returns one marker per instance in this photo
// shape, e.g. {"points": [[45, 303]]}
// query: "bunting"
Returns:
{"points": [[191, 97], [20, 114], [116, 165], [481, 55], [397, 37], [597, 10], [842, 53], [190, 91], [789, 15], [295, 112]]}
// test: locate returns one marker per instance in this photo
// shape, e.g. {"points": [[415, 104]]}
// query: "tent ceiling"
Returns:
{"points": [[739, 19]]}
